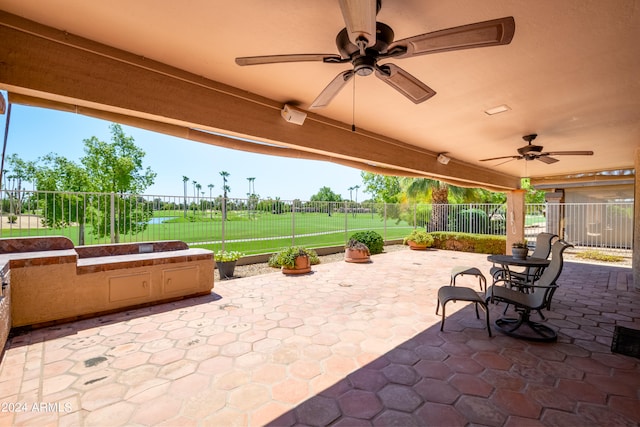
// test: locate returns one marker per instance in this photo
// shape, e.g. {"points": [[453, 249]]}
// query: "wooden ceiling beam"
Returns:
{"points": [[45, 63]]}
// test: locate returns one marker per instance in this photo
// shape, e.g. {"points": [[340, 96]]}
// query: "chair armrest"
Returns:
{"points": [[510, 282]]}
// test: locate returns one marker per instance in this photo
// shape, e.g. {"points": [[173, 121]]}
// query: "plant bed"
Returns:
{"points": [[465, 242]]}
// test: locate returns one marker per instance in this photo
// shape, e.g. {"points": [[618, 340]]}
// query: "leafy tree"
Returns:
{"points": [[20, 172], [325, 194], [383, 188], [53, 176], [532, 195], [116, 167]]}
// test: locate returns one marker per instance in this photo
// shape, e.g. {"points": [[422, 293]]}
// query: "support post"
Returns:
{"points": [[515, 217], [635, 257]]}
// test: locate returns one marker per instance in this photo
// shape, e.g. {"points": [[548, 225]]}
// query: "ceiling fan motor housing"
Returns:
{"points": [[534, 149], [384, 37]]}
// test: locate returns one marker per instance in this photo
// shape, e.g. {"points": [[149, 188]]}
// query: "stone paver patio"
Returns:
{"points": [[348, 345]]}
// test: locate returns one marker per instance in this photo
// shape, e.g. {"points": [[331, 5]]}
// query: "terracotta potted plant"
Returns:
{"points": [[373, 240], [357, 252], [519, 250], [226, 262], [418, 240], [294, 260]]}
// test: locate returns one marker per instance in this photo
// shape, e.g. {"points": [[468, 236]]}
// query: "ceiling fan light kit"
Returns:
{"points": [[364, 41]]}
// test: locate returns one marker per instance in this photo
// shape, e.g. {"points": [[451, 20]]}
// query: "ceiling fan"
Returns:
{"points": [[534, 152], [364, 42]]}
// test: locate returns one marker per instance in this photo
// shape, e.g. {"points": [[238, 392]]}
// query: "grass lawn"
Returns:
{"points": [[254, 232]]}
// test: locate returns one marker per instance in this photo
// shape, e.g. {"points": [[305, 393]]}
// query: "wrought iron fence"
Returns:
{"points": [[266, 225]]}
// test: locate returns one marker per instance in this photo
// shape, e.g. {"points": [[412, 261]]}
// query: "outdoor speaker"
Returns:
{"points": [[292, 115]]}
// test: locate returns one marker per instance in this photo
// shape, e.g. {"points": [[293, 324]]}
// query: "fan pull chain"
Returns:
{"points": [[353, 112]]}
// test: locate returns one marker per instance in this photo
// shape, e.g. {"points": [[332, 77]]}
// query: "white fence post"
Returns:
{"points": [[346, 225], [293, 224], [112, 219]]}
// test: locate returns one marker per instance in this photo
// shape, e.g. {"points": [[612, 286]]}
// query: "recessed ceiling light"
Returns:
{"points": [[497, 110]]}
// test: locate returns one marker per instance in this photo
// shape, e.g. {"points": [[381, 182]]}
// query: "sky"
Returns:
{"points": [[34, 132]]}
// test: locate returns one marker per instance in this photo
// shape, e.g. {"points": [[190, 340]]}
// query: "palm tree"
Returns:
{"points": [[211, 199], [439, 199], [194, 182], [225, 188], [355, 187], [198, 186], [185, 179]]}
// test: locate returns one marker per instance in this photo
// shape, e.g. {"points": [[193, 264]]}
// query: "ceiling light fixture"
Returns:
{"points": [[442, 159], [497, 110]]}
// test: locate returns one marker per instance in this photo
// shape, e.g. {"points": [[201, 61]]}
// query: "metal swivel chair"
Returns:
{"points": [[539, 297]]}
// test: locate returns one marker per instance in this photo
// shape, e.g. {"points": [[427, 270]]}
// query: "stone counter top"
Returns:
{"points": [[42, 251], [114, 262], [37, 258]]}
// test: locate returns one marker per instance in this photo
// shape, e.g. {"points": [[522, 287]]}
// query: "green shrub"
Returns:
{"points": [[373, 240], [287, 257], [471, 221], [464, 242], [420, 237], [227, 256]]}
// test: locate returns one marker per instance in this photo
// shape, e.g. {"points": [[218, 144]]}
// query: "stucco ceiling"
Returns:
{"points": [[571, 73]]}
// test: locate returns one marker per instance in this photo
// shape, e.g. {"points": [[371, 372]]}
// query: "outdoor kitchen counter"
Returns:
{"points": [[51, 281]]}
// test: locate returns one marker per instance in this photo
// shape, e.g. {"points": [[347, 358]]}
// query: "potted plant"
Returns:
{"points": [[373, 240], [356, 251], [418, 240], [519, 250], [294, 260], [226, 262]]}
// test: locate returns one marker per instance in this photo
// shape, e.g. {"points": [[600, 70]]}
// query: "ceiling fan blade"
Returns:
{"points": [[507, 161], [569, 153], [274, 59], [404, 83], [360, 20], [332, 89], [480, 34], [500, 158], [544, 158]]}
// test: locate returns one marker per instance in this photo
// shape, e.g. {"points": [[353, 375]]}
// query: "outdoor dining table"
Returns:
{"points": [[531, 265]]}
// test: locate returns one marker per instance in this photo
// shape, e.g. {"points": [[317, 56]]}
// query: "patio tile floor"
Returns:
{"points": [[347, 345]]}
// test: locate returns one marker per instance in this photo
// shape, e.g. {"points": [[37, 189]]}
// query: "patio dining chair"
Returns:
{"points": [[541, 250], [539, 297]]}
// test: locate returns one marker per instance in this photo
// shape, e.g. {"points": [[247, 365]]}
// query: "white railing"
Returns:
{"points": [[266, 225]]}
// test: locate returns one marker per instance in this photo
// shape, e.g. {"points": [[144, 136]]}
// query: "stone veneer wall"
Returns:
{"points": [[5, 313]]}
